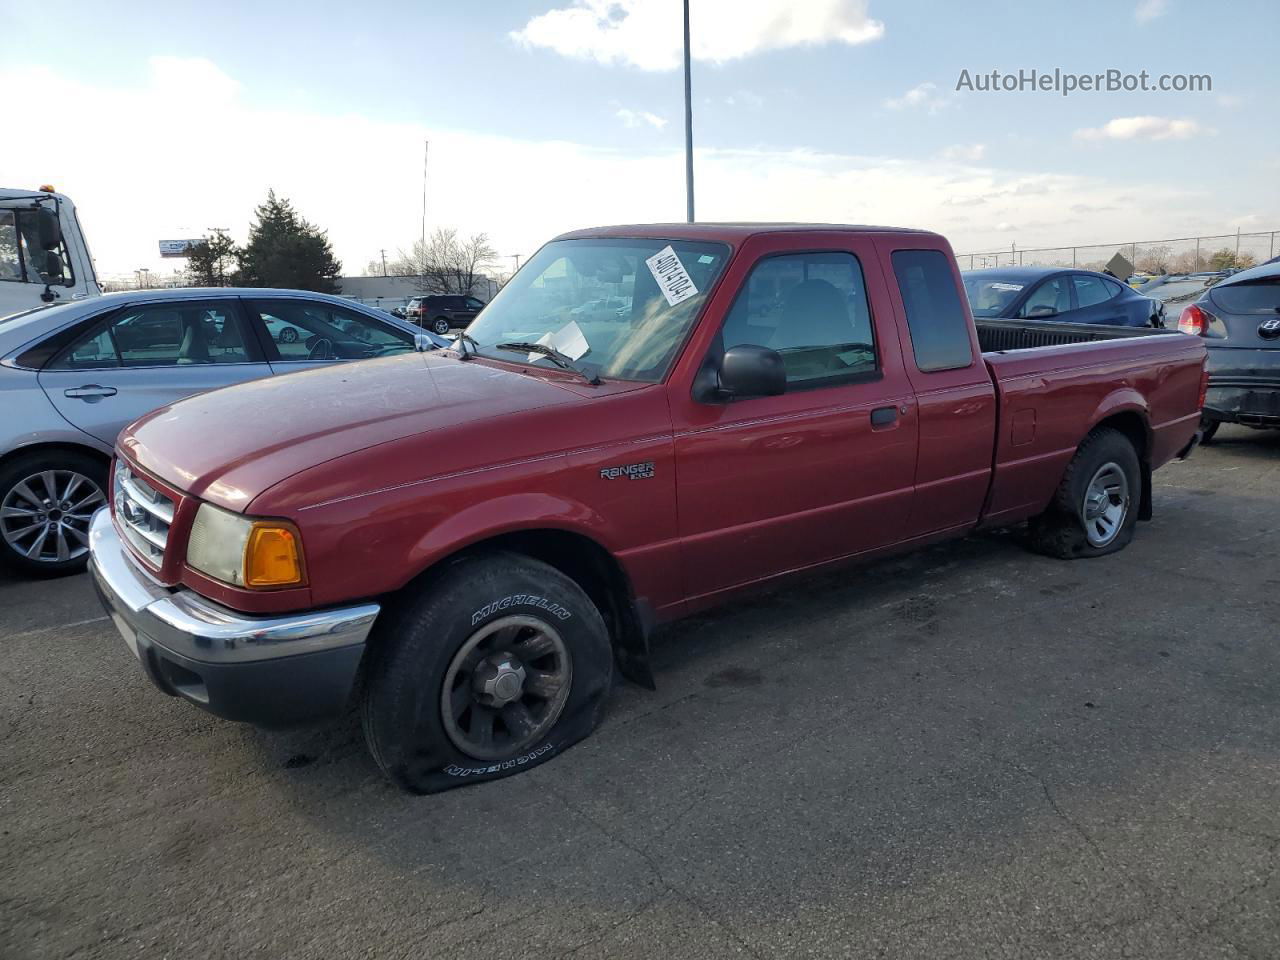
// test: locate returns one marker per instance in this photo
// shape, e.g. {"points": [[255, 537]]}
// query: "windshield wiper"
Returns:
{"points": [[562, 360]]}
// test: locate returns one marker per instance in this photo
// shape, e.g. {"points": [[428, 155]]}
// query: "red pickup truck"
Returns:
{"points": [[469, 539]]}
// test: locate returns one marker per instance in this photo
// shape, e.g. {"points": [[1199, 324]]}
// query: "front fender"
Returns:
{"points": [[511, 513]]}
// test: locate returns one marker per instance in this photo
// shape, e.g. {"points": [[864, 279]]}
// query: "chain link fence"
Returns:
{"points": [[1177, 255]]}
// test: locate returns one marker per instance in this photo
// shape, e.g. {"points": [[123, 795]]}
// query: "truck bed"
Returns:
{"points": [[999, 336], [1056, 381]]}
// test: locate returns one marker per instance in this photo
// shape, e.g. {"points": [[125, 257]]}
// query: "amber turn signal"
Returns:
{"points": [[273, 557]]}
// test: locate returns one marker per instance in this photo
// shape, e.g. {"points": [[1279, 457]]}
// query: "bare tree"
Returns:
{"points": [[1154, 259], [447, 263]]}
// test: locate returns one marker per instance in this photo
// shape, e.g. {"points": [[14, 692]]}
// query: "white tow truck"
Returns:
{"points": [[43, 254]]}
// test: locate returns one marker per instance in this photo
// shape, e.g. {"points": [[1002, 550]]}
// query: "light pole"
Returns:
{"points": [[688, 120], [516, 258], [426, 147]]}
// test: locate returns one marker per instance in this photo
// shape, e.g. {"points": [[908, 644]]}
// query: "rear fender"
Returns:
{"points": [[1127, 410]]}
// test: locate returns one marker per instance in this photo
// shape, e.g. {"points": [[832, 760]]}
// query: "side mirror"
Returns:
{"points": [[749, 371], [1043, 310], [422, 343], [48, 230]]}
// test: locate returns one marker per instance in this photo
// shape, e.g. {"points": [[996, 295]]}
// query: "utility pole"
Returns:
{"points": [[516, 258], [688, 120], [426, 147], [384, 262]]}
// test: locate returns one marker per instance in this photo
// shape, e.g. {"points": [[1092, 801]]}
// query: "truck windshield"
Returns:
{"points": [[617, 308]]}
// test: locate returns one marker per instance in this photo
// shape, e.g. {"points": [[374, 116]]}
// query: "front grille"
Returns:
{"points": [[143, 512]]}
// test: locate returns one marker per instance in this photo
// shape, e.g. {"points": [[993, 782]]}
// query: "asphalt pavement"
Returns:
{"points": [[966, 752]]}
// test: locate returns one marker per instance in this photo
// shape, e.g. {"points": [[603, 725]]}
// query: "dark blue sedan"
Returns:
{"points": [[1052, 293]]}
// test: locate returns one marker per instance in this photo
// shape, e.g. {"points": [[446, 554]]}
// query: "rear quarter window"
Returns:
{"points": [[935, 317]]}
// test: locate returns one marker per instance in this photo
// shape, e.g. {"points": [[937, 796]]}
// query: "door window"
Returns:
{"points": [[156, 335], [936, 319], [812, 309], [474, 304], [302, 331], [1091, 290], [1051, 297], [21, 256], [10, 259]]}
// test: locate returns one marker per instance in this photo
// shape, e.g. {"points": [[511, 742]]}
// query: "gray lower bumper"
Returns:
{"points": [[273, 671]]}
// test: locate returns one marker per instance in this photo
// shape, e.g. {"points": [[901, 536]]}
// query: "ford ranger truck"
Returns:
{"points": [[468, 541]]}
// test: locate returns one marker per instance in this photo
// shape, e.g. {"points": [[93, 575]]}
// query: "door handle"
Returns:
{"points": [[884, 416], [89, 392]]}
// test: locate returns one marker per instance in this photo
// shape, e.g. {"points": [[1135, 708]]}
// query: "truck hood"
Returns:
{"points": [[228, 445]]}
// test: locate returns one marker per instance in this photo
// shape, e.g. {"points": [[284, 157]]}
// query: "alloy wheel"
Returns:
{"points": [[45, 517]]}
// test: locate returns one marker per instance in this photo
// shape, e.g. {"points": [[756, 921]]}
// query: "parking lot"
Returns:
{"points": [[972, 751]]}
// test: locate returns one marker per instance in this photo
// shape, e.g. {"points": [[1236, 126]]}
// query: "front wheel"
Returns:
{"points": [[501, 664], [1096, 505], [46, 502], [288, 335], [440, 325]]}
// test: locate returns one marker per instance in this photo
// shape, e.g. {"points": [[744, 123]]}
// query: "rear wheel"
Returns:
{"points": [[440, 325], [501, 664], [1208, 429], [46, 501], [1096, 505]]}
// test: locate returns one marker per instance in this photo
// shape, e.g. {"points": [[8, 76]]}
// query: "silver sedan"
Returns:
{"points": [[74, 374]]}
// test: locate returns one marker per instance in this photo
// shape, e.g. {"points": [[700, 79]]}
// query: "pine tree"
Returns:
{"points": [[284, 250], [212, 262]]}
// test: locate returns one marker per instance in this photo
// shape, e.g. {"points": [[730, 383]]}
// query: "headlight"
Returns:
{"points": [[244, 551]]}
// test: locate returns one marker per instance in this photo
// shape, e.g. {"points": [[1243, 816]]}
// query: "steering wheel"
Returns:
{"points": [[320, 348]]}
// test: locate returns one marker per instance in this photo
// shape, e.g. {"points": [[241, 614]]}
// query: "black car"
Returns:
{"points": [[1239, 319], [441, 312], [1052, 293]]}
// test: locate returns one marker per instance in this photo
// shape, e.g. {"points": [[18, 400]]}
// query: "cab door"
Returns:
{"points": [[772, 484], [953, 388]]}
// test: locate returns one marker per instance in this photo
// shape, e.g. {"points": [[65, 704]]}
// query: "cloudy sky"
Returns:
{"points": [[544, 115]]}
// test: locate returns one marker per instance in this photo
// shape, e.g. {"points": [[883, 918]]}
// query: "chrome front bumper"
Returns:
{"points": [[273, 671]]}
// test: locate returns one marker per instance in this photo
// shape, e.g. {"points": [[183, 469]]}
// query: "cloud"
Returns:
{"points": [[647, 33], [1143, 128], [521, 192], [746, 98], [192, 80], [1148, 10], [965, 153], [923, 96], [634, 118]]}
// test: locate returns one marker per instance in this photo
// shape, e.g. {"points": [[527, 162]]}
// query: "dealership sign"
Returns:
{"points": [[178, 248]]}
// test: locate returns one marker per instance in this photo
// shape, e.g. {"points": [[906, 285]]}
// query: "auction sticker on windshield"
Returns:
{"points": [[673, 279]]}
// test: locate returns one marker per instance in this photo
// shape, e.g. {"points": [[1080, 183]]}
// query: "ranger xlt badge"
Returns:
{"points": [[632, 471]]}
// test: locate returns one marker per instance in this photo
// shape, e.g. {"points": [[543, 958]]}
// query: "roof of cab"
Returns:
{"points": [[729, 232]]}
